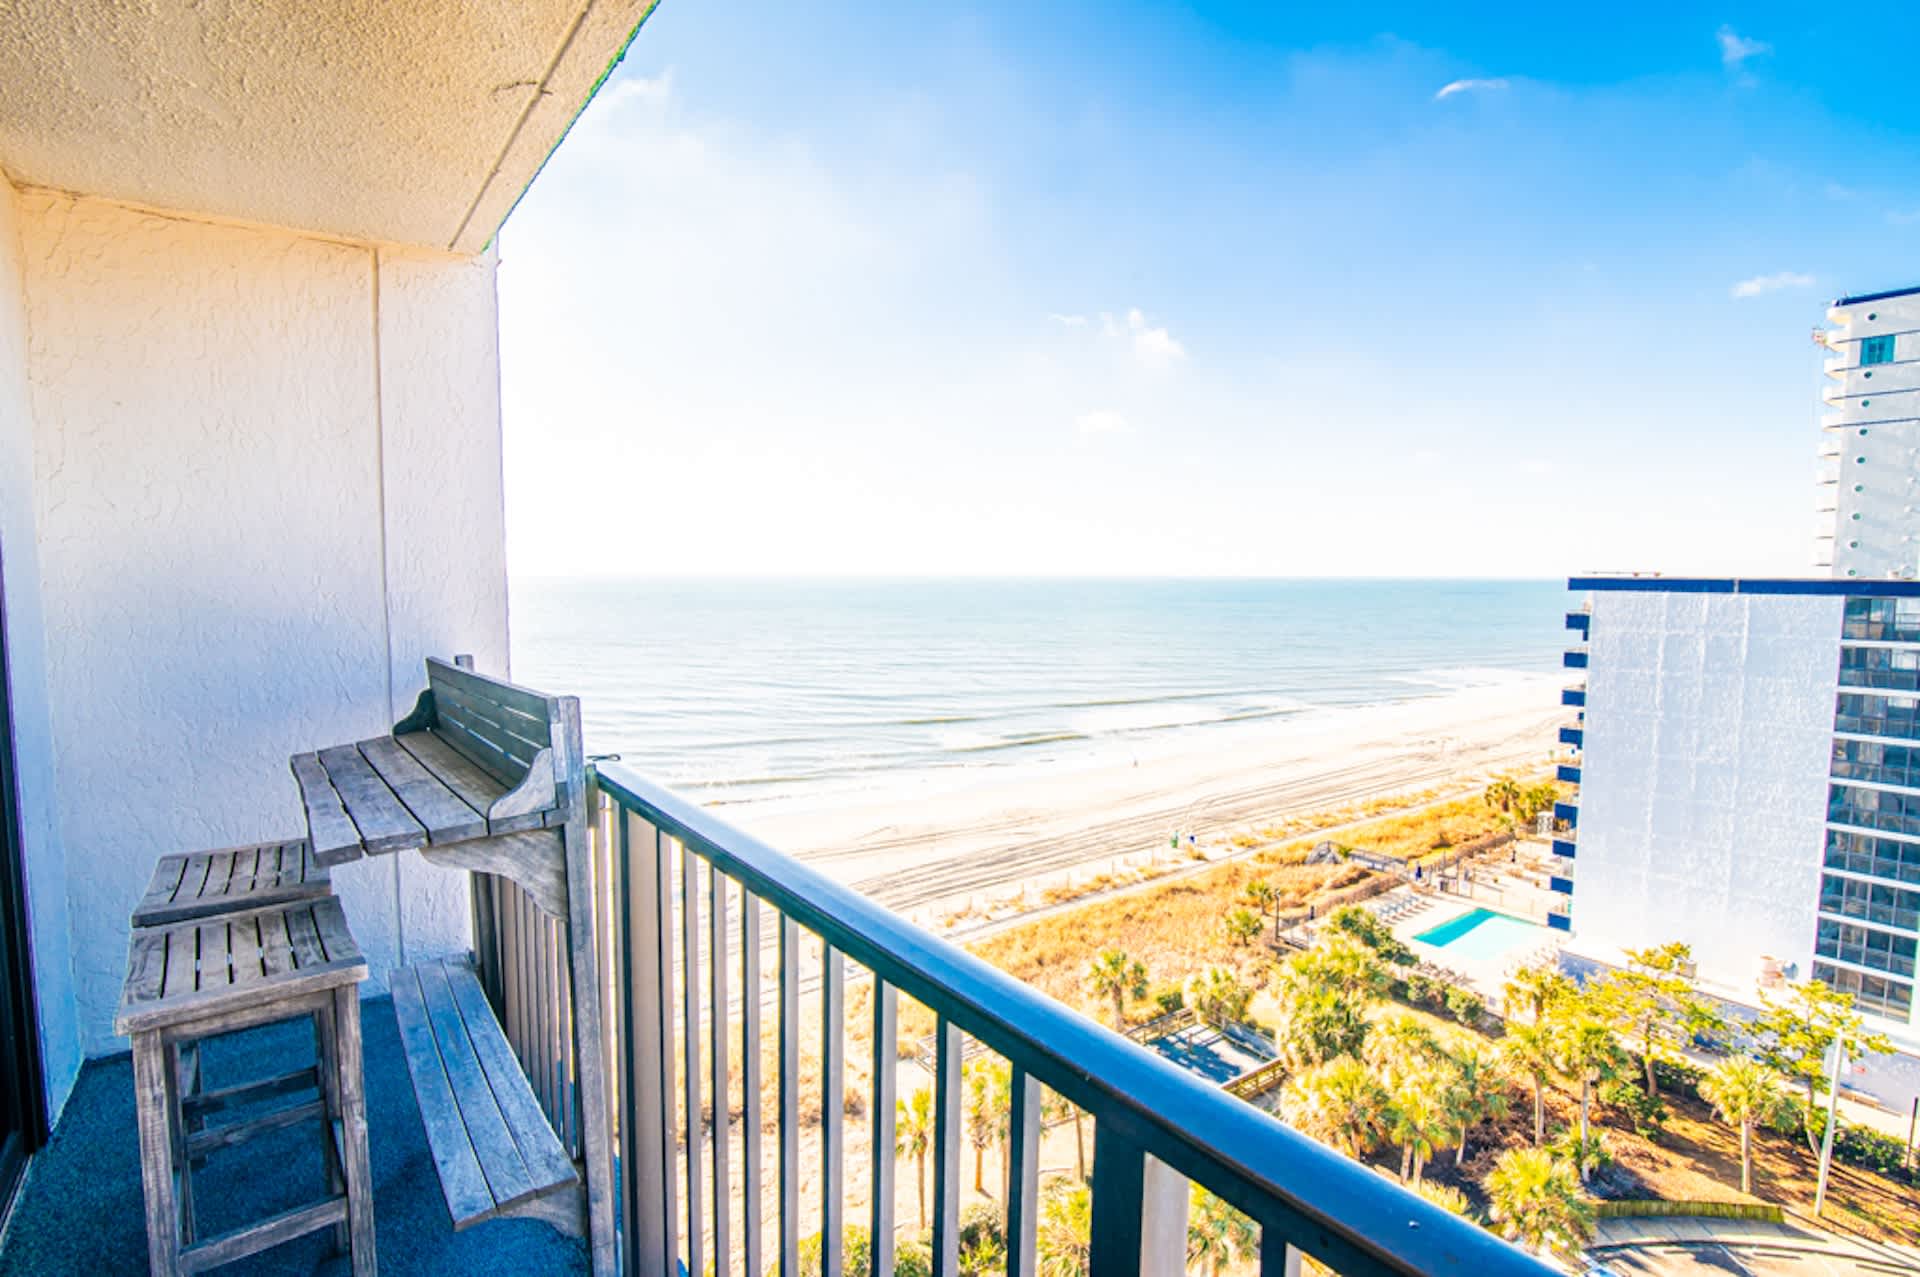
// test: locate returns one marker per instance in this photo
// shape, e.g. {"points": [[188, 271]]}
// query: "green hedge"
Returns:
{"points": [[1710, 1210]]}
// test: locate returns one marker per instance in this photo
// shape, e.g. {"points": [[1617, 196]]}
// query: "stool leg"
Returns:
{"points": [[330, 1152], [178, 1129], [353, 1123], [156, 1153]]}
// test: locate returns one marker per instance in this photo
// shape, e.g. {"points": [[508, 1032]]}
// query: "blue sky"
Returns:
{"points": [[1126, 289]]}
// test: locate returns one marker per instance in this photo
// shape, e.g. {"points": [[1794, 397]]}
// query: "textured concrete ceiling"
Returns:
{"points": [[407, 121]]}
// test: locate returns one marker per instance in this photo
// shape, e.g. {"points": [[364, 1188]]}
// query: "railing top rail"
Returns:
{"points": [[1322, 1202]]}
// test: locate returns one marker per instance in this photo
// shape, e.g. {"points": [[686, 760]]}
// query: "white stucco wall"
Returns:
{"points": [[266, 480], [1873, 417], [1709, 722], [45, 854]]}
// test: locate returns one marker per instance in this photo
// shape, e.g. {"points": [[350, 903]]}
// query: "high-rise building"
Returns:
{"points": [[1870, 460], [1747, 752]]}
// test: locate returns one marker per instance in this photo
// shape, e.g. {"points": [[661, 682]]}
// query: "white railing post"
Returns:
{"points": [[1164, 1197]]}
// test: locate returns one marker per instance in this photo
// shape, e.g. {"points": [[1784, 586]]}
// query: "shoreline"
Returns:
{"points": [[914, 849]]}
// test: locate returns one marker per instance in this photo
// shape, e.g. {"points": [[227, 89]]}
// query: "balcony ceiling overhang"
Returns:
{"points": [[416, 123]]}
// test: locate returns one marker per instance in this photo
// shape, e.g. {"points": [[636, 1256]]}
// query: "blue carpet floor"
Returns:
{"points": [[81, 1210]]}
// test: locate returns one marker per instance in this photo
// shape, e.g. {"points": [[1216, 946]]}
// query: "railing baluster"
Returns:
{"points": [[1023, 1172], [751, 1209], [1277, 1259], [722, 1177], [789, 1087], [690, 975], [651, 1211], [1119, 1184], [946, 1148], [833, 1116], [886, 1078]]}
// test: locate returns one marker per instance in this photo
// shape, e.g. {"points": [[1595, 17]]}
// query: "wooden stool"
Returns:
{"points": [[198, 979], [199, 883]]}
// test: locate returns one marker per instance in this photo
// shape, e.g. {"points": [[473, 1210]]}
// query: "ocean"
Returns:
{"points": [[740, 691]]}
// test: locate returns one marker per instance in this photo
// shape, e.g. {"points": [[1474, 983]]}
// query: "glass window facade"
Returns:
{"points": [[1893, 668], [1872, 760], [1891, 998], [1881, 857], [1870, 902], [1897, 717], [1866, 947], [1876, 350], [1882, 620], [1874, 809]]}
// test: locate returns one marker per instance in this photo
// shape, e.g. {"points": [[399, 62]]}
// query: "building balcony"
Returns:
{"points": [[1564, 845], [1580, 620], [1567, 772], [1575, 659], [715, 937], [1562, 885], [1575, 695], [1568, 812], [1573, 736]]}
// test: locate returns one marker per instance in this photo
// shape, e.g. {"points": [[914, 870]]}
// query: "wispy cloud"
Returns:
{"points": [[1101, 421], [1760, 285], [1735, 48], [1903, 216], [1153, 347], [1068, 321], [1469, 86], [654, 90]]}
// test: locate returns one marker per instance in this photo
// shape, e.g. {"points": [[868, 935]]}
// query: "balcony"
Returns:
{"points": [[1564, 845], [1573, 736], [1567, 772], [1568, 812], [713, 937], [1580, 620], [1575, 695], [1574, 660]]}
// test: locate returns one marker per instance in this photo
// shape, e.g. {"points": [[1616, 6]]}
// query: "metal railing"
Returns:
{"points": [[693, 905]]}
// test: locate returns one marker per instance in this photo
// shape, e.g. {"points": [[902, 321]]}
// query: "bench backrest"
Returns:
{"points": [[501, 727]]}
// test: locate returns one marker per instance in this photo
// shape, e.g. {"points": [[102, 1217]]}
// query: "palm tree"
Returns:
{"points": [[1118, 977], [1418, 1121], [1502, 794], [1217, 997], [1054, 1105], [1477, 1093], [1340, 1103], [989, 1091], [1536, 1199], [1529, 1050], [913, 1137], [1445, 1196], [1217, 1233], [1588, 1050], [1741, 1092], [1586, 1154], [1063, 1236], [1243, 926], [1536, 987], [1264, 898]]}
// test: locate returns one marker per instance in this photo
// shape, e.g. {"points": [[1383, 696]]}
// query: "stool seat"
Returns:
{"points": [[193, 884], [232, 962]]}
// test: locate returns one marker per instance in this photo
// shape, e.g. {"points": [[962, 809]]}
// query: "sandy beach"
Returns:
{"points": [[920, 848]]}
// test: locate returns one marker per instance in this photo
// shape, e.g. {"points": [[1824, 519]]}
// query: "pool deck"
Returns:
{"points": [[1486, 975]]}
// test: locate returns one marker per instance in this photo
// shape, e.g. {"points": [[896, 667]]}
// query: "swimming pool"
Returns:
{"points": [[1482, 934]]}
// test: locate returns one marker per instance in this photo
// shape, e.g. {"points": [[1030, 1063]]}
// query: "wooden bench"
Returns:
{"points": [[492, 1145], [488, 777]]}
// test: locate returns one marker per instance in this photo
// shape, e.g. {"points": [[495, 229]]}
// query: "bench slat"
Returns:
{"points": [[384, 824], [331, 832], [446, 816], [487, 1129], [478, 732], [547, 1162], [476, 787], [521, 700], [461, 1181], [201, 883]]}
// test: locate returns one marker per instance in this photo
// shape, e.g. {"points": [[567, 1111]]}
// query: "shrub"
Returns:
{"points": [[1465, 1005], [1421, 990], [1677, 1077], [980, 1227], [1168, 997], [1864, 1147], [1647, 1113]]}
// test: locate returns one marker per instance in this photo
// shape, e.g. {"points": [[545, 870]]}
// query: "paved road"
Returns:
{"points": [[1686, 1247]]}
